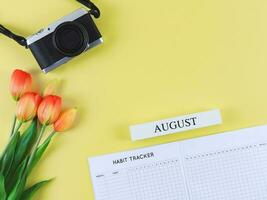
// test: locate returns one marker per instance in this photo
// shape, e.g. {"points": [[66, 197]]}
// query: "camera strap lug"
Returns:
{"points": [[94, 10], [19, 39]]}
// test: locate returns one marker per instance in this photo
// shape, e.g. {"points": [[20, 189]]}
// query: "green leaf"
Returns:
{"points": [[2, 187], [39, 153], [22, 168], [18, 189], [17, 176], [8, 156], [19, 185], [1, 161], [24, 146], [28, 194], [26, 142]]}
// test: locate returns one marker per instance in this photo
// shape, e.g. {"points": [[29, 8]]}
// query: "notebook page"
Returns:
{"points": [[227, 166], [153, 173]]}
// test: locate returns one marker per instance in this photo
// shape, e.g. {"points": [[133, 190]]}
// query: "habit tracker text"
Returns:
{"points": [[133, 158]]}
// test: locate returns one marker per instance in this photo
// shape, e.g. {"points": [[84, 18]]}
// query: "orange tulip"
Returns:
{"points": [[65, 120], [21, 82], [49, 109], [27, 106], [51, 88]]}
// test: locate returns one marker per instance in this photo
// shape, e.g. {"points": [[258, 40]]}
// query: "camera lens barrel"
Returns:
{"points": [[71, 39]]}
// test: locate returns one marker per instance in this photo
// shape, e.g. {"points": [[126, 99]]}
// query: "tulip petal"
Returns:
{"points": [[65, 120], [51, 88], [27, 106], [20, 83], [49, 109]]}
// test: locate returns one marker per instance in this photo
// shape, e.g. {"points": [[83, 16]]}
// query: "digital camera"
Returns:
{"points": [[63, 40]]}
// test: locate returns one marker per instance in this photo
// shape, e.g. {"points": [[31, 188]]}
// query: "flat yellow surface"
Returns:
{"points": [[160, 59]]}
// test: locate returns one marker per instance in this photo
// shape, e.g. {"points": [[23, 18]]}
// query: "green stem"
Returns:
{"points": [[13, 125], [52, 134], [35, 148], [17, 128]]}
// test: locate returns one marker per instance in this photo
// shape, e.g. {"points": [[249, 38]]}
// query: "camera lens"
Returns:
{"points": [[70, 39]]}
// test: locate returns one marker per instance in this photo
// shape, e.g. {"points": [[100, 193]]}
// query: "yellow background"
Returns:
{"points": [[160, 59]]}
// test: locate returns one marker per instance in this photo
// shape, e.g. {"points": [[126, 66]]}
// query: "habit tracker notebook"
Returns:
{"points": [[227, 166]]}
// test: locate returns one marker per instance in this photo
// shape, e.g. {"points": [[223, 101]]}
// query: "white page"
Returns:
{"points": [[154, 178], [228, 166]]}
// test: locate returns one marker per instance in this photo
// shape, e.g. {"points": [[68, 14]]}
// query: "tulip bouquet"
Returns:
{"points": [[28, 138]]}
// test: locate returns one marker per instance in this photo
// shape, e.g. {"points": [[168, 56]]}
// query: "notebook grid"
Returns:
{"points": [[157, 181], [237, 173]]}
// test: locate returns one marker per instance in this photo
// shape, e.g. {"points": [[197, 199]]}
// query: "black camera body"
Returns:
{"points": [[64, 39]]}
